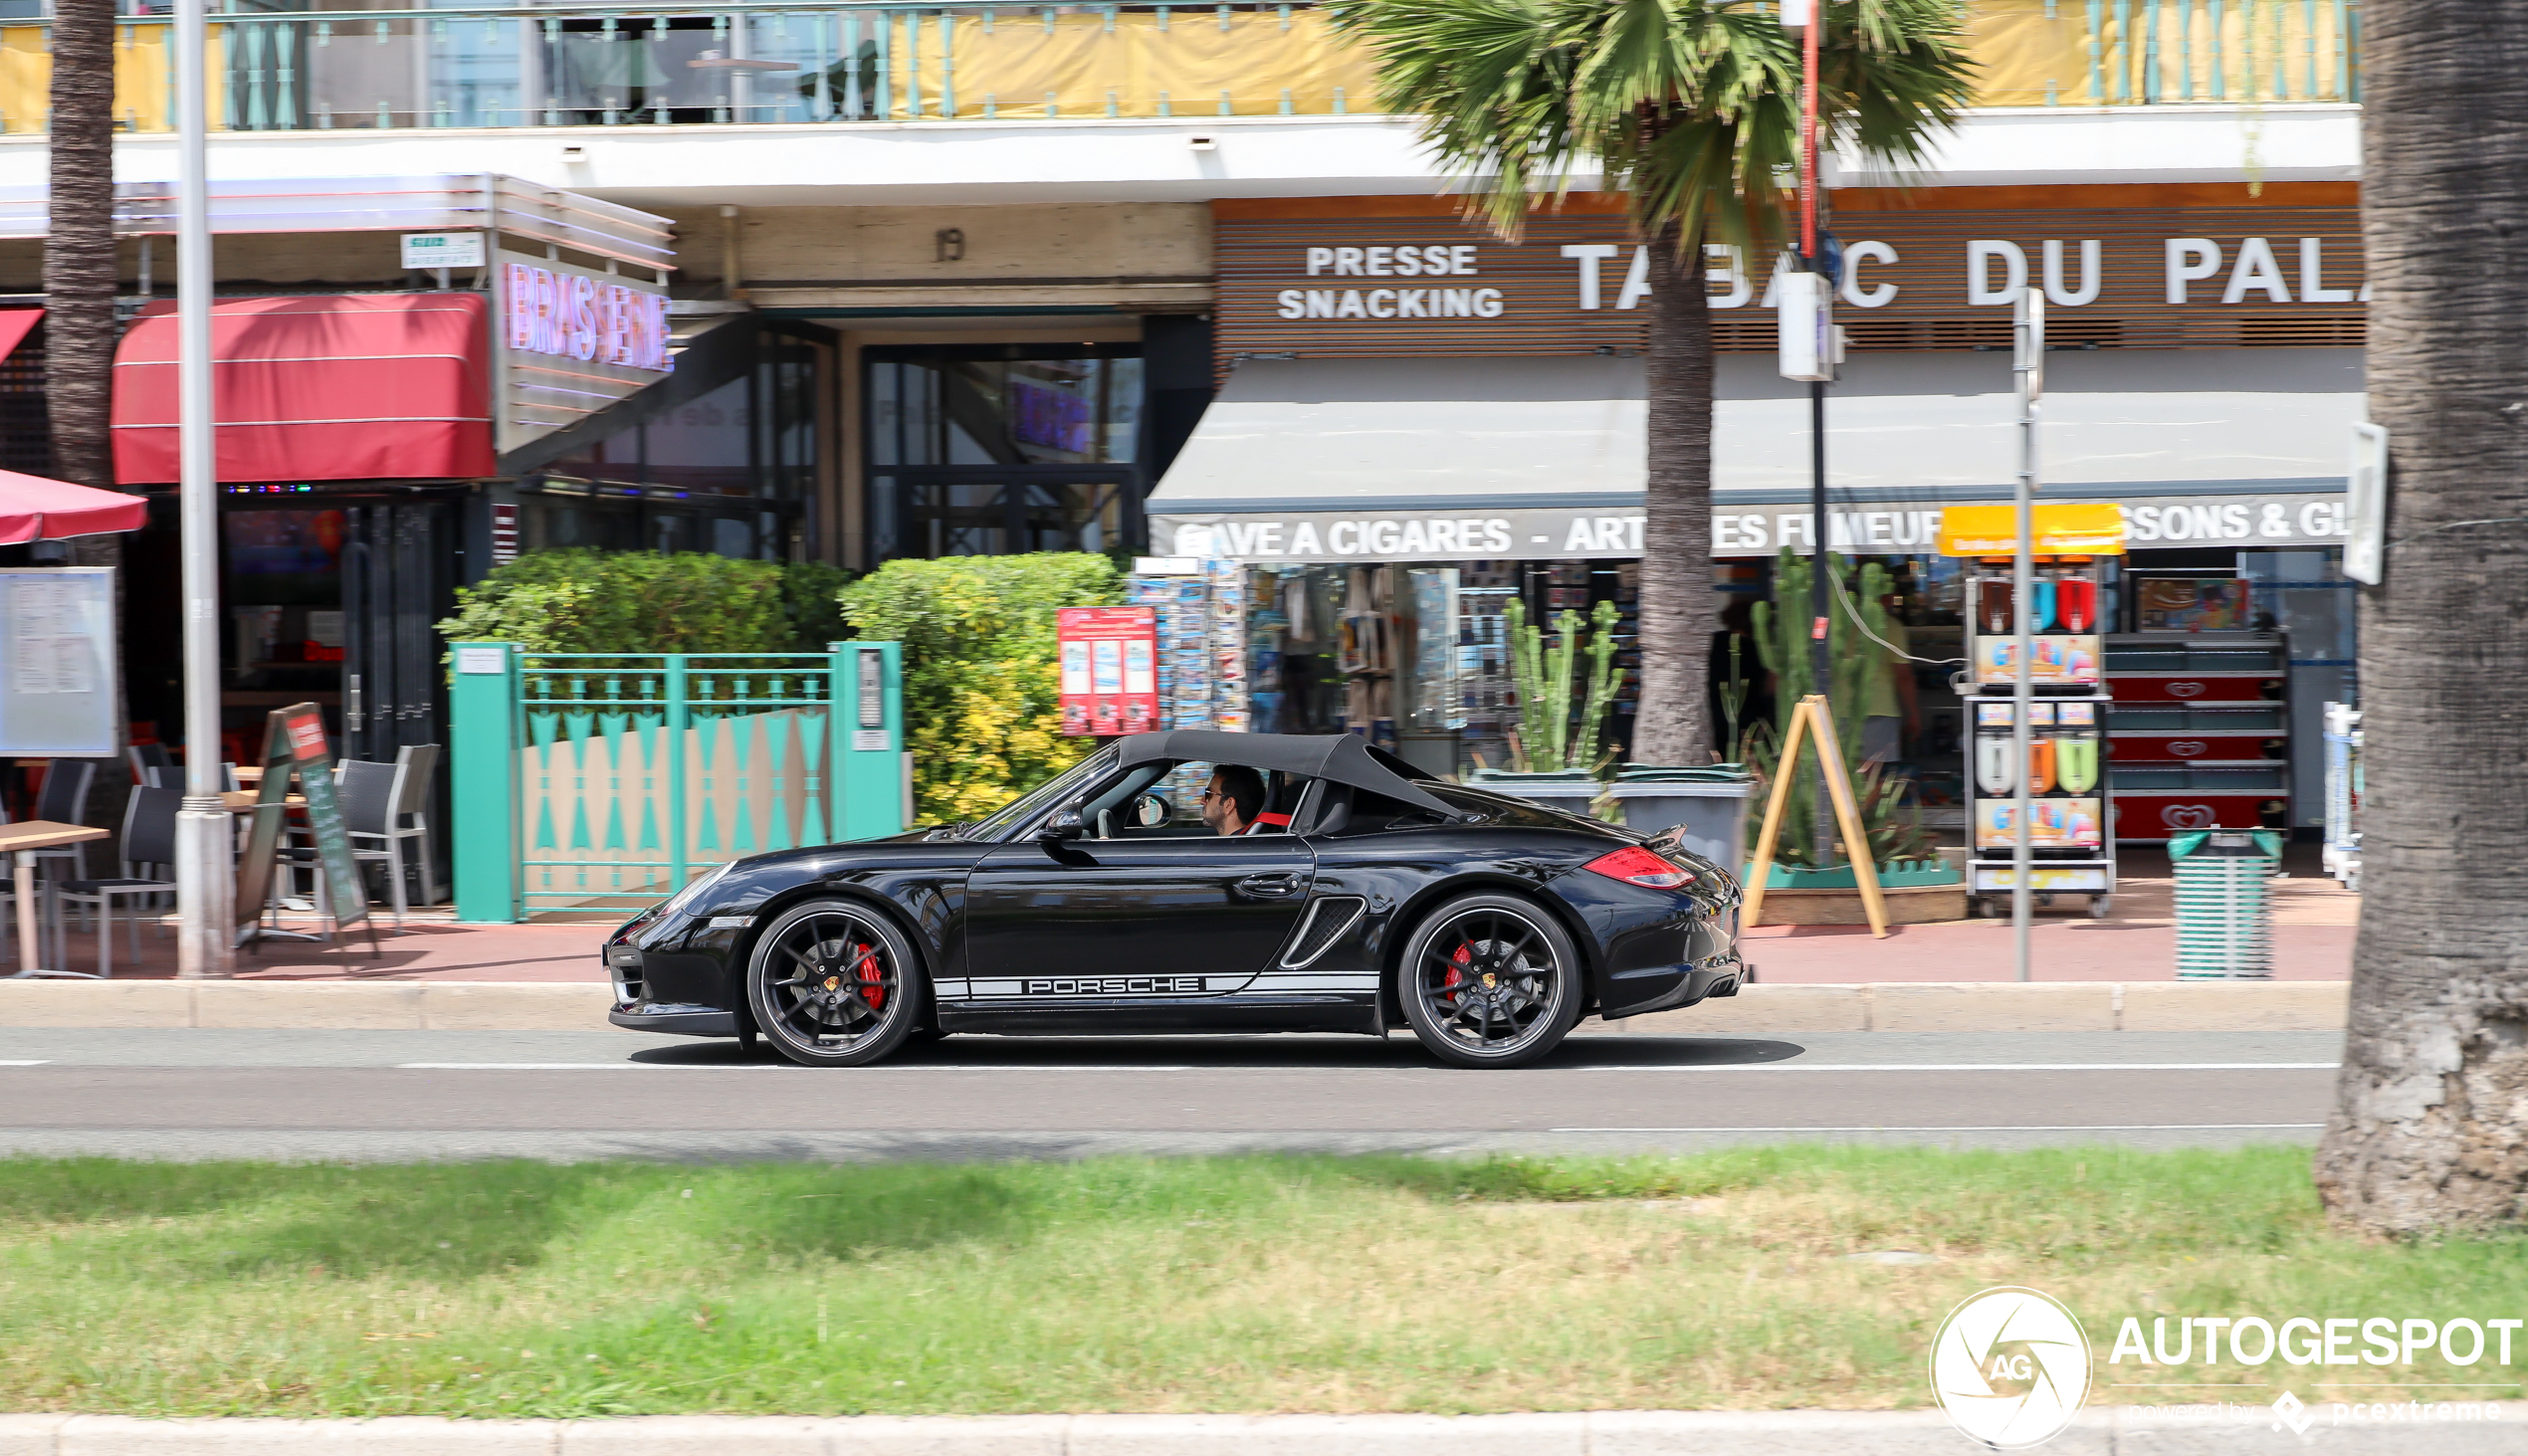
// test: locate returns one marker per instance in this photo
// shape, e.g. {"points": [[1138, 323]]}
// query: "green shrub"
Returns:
{"points": [[981, 690], [587, 600]]}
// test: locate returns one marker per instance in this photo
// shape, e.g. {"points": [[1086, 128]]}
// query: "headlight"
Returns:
{"points": [[681, 899]]}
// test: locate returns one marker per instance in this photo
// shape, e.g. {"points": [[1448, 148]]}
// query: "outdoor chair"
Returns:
{"points": [[64, 801], [148, 843], [146, 760], [386, 806]]}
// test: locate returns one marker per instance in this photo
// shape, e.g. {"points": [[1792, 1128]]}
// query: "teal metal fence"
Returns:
{"points": [[586, 782]]}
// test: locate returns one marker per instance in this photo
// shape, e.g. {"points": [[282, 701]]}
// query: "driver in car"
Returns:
{"points": [[1235, 797]]}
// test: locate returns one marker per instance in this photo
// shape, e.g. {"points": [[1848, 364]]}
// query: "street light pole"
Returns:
{"points": [[204, 875]]}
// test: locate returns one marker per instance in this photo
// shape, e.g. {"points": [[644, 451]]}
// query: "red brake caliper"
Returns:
{"points": [[1456, 977], [871, 987]]}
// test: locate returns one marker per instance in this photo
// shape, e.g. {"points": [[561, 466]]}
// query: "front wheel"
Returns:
{"points": [[1490, 980], [835, 985]]}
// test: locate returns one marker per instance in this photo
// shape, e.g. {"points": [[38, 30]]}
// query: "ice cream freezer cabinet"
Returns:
{"points": [[2199, 732]]}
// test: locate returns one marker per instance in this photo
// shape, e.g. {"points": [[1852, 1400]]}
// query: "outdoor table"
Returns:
{"points": [[239, 800], [21, 841]]}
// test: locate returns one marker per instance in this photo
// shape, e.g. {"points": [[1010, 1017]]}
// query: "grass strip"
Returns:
{"points": [[1252, 1284]]}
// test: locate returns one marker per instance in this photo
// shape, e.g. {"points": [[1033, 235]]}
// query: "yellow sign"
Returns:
{"points": [[2063, 528]]}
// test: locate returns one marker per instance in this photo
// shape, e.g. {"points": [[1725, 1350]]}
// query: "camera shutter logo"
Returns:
{"points": [[2011, 1368]]}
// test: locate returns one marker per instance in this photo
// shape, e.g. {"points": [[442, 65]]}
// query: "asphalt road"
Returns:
{"points": [[604, 1094]]}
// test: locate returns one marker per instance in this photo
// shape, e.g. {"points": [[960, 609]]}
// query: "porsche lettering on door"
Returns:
{"points": [[1115, 985]]}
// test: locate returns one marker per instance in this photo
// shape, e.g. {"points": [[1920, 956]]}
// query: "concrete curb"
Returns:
{"points": [[1759, 1010], [2096, 1433]]}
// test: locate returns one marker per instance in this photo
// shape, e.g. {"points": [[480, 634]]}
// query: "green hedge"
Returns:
{"points": [[587, 600], [981, 688]]}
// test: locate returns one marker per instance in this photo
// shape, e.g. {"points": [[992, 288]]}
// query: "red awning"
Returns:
{"points": [[349, 387], [15, 326], [35, 509]]}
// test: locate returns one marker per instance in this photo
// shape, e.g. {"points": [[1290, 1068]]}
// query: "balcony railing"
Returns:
{"points": [[861, 60]]}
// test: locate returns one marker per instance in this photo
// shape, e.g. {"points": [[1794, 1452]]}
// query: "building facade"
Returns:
{"points": [[956, 278]]}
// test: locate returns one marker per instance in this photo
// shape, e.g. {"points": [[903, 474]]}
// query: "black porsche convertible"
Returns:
{"points": [[1350, 891]]}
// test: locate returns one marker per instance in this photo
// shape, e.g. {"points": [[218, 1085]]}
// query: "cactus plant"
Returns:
{"points": [[1857, 614], [1543, 675]]}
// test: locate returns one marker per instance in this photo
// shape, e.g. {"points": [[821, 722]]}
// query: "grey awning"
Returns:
{"points": [[1370, 433], [1448, 459]]}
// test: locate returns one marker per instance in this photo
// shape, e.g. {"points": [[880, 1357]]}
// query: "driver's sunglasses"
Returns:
{"points": [[1213, 793]]}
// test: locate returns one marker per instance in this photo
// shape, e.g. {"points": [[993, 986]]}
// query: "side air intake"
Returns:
{"points": [[1326, 922]]}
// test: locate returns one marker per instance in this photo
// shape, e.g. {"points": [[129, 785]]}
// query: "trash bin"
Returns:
{"points": [[1570, 791], [2224, 902], [1710, 804]]}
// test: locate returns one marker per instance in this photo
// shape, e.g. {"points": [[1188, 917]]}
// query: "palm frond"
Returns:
{"points": [[1691, 107]]}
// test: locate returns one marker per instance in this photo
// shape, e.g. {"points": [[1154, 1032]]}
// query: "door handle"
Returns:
{"points": [[1271, 887]]}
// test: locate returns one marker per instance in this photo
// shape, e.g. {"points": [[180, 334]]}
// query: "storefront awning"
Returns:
{"points": [[385, 387], [15, 326], [1452, 459]]}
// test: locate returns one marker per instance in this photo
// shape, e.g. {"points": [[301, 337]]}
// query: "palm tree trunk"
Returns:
{"points": [[1678, 617], [2425, 1133], [79, 253], [78, 297]]}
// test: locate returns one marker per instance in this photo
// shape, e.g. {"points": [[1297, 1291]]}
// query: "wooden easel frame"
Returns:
{"points": [[1810, 714]]}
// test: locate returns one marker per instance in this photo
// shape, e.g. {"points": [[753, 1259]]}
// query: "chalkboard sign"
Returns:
{"points": [[295, 747]]}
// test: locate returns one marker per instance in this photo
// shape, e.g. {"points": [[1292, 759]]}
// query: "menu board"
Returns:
{"points": [[57, 662], [1109, 670]]}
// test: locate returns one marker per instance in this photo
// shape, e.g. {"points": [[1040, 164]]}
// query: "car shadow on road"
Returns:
{"points": [[1246, 1053]]}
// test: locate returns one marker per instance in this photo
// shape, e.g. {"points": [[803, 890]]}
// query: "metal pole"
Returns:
{"points": [[204, 874], [2028, 329], [1820, 659], [1820, 647]]}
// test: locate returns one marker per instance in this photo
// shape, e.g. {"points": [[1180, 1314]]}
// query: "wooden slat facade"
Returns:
{"points": [[1262, 250]]}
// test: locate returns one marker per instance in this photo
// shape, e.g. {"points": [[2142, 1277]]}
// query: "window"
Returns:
{"points": [[987, 449]]}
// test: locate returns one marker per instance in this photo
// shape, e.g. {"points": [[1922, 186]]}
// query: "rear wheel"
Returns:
{"points": [[835, 985], [1490, 980]]}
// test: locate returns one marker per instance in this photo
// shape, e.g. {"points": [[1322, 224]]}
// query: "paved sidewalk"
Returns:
{"points": [[2383, 1431], [2315, 919], [434, 948]]}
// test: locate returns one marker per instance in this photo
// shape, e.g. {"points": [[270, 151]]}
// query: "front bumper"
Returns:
{"points": [[673, 1019]]}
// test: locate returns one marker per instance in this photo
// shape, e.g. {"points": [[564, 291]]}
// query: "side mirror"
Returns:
{"points": [[1152, 811], [1063, 824]]}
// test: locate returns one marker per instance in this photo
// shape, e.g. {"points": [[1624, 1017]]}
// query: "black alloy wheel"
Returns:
{"points": [[1490, 980], [833, 983]]}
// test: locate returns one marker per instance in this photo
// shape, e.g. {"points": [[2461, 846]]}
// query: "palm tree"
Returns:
{"points": [[2427, 1126], [79, 250], [1691, 107]]}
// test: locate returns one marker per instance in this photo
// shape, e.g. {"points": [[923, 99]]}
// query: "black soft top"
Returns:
{"points": [[1339, 757]]}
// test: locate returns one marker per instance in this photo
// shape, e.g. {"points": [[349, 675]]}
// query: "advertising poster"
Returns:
{"points": [[2058, 659], [1109, 670], [2055, 823], [2168, 604]]}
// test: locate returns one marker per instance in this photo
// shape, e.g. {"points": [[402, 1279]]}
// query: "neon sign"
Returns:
{"points": [[573, 316]]}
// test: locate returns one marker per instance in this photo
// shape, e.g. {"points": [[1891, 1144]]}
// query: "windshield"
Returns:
{"points": [[1001, 822]]}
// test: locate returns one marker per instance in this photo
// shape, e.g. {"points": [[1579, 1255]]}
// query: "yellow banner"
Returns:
{"points": [[2063, 528]]}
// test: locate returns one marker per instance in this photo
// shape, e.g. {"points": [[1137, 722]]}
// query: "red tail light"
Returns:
{"points": [[1637, 866]]}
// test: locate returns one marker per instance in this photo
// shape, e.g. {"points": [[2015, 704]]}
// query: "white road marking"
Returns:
{"points": [[1968, 1067], [24, 1063], [1994, 1127]]}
